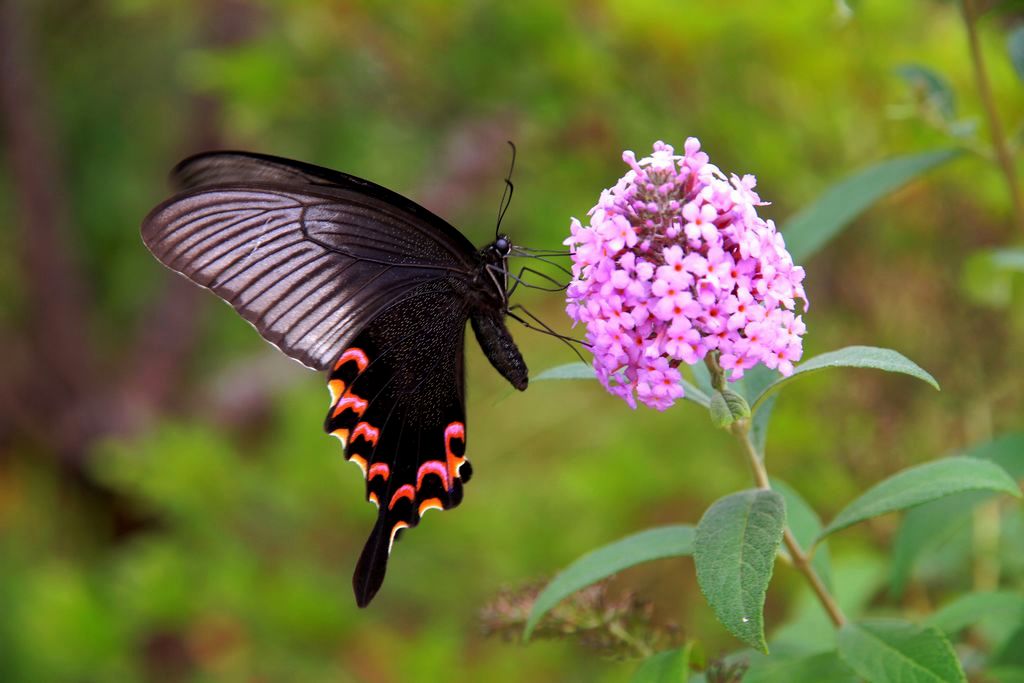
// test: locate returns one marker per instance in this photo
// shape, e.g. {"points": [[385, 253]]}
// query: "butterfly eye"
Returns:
{"points": [[503, 246]]}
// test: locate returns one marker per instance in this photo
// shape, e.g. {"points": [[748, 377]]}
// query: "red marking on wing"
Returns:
{"points": [[353, 354], [367, 431], [379, 468], [404, 491], [372, 497], [456, 430], [350, 402], [433, 467]]}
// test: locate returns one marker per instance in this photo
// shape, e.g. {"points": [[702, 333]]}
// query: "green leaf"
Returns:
{"points": [[924, 483], [926, 527], [670, 666], [652, 544], [1015, 46], [584, 371], [702, 377], [734, 551], [756, 380], [933, 524], [968, 609], [807, 629], [728, 407], [815, 225], [884, 651], [572, 370], [932, 88], [852, 357], [1006, 674], [989, 276], [1011, 652], [803, 521], [759, 425], [825, 666]]}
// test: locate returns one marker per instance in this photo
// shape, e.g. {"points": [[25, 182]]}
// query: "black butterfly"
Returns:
{"points": [[346, 276]]}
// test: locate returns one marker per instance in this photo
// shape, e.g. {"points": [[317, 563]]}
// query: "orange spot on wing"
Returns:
{"points": [[381, 469], [359, 460], [430, 504], [342, 436], [372, 497], [353, 354], [337, 388], [394, 530], [367, 431], [404, 491], [350, 402]]}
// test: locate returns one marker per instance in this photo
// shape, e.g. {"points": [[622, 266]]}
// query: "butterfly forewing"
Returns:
{"points": [[423, 236], [307, 269]]}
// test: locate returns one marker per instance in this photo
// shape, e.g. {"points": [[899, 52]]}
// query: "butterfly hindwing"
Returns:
{"points": [[397, 405]]}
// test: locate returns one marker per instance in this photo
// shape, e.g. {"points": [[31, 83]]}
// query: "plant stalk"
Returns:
{"points": [[800, 559], [995, 125]]}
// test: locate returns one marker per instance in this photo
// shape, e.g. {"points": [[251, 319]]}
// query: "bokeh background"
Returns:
{"points": [[170, 509]]}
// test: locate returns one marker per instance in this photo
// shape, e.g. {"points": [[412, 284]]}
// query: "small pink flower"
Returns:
{"points": [[675, 263]]}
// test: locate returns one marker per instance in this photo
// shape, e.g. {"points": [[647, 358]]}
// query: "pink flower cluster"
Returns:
{"points": [[675, 264]]}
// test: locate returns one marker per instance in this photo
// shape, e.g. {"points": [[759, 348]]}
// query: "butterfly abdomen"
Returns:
{"points": [[497, 344]]}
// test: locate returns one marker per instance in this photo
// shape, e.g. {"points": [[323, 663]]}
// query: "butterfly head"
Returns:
{"points": [[502, 245]]}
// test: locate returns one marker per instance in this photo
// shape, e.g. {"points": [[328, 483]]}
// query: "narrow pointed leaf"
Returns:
{"points": [[814, 226], [893, 651], [933, 524], [852, 357], [927, 527], [652, 544], [932, 88], [583, 371], [670, 666], [759, 425], [969, 609], [734, 551], [818, 668], [925, 483], [573, 370], [1015, 46], [756, 380]]}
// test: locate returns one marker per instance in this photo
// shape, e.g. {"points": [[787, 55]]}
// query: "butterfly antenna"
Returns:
{"points": [[506, 196], [544, 329]]}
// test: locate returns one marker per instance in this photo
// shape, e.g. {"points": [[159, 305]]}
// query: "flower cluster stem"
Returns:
{"points": [[800, 559], [995, 126]]}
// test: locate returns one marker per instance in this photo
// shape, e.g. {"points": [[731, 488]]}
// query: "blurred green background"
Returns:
{"points": [[170, 509]]}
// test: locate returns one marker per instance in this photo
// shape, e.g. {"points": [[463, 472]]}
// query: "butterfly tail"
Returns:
{"points": [[373, 562]]}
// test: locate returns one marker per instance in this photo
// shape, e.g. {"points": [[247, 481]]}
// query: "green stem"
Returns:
{"points": [[802, 562], [800, 559], [641, 648], [995, 125]]}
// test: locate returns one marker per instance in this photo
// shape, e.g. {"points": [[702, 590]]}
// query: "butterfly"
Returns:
{"points": [[348, 277]]}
